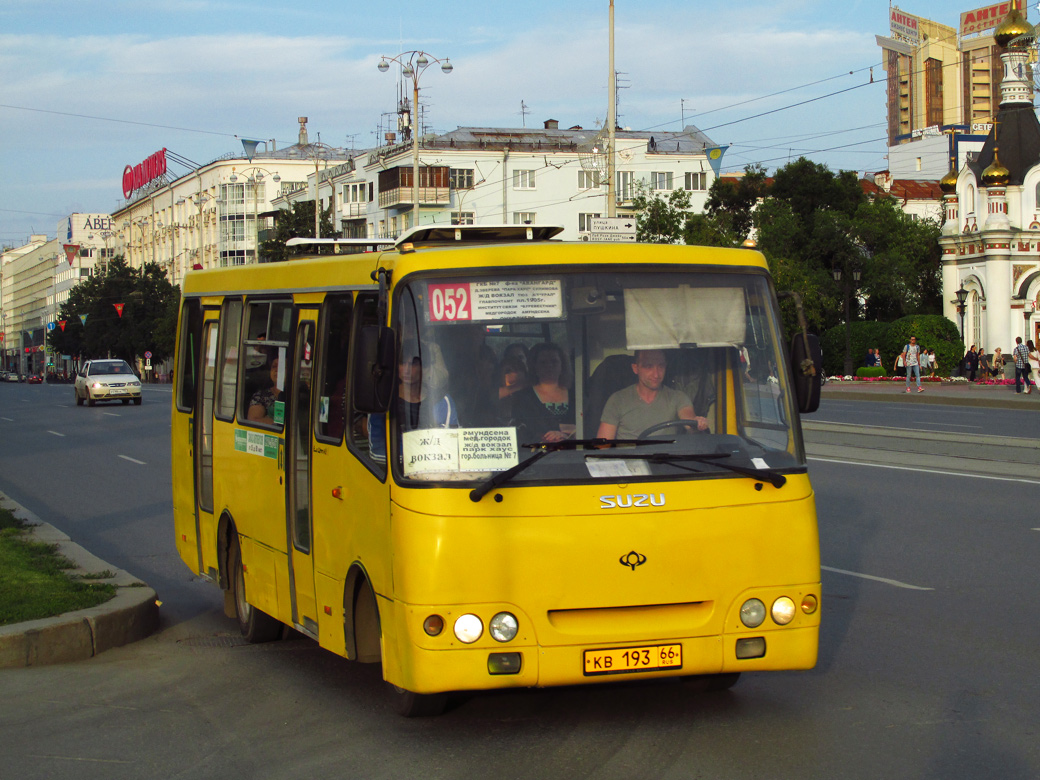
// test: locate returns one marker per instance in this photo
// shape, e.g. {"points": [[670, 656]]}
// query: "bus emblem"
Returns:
{"points": [[632, 559], [628, 502]]}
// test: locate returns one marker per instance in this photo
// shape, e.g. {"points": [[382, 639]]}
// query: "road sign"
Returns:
{"points": [[147, 354], [612, 229], [51, 325]]}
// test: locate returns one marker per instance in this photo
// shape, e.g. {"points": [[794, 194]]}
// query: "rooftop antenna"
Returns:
{"points": [[523, 113]]}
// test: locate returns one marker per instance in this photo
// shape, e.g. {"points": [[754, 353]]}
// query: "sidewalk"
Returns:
{"points": [[131, 614], [952, 393]]}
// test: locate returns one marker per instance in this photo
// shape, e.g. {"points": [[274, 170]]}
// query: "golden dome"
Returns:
{"points": [[995, 175], [1014, 25], [948, 183]]}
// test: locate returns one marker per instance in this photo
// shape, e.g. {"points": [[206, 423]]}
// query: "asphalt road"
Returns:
{"points": [[928, 656]]}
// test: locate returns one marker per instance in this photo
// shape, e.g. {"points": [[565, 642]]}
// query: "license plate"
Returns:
{"points": [[622, 660]]}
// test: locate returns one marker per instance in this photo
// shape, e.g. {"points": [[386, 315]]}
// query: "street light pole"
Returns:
{"points": [[255, 178], [413, 64], [962, 297], [848, 325]]}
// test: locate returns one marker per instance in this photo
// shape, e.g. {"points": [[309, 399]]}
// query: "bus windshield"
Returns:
{"points": [[630, 375]]}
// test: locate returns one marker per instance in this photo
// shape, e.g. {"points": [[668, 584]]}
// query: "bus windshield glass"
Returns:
{"points": [[680, 375]]}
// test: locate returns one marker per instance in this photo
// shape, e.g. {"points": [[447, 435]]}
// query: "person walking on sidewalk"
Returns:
{"points": [[1022, 369], [1034, 362], [912, 359]]}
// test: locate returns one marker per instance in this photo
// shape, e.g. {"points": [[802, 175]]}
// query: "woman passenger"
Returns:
{"points": [[543, 412]]}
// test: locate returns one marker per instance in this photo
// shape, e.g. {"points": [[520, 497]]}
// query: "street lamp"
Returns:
{"points": [[198, 200], [848, 325], [962, 297], [255, 179], [413, 64]]}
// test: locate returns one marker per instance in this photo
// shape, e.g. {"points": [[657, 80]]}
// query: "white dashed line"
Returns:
{"points": [[133, 460], [55, 433], [885, 580]]}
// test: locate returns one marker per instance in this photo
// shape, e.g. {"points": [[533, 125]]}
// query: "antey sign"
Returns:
{"points": [[987, 17]]}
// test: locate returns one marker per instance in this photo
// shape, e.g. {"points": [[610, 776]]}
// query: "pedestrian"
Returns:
{"points": [[933, 365], [971, 362], [877, 358], [868, 361], [1022, 368], [983, 365], [924, 361], [911, 356], [1034, 362], [996, 367], [900, 365]]}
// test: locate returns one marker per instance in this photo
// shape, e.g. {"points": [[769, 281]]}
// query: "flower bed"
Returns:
{"points": [[950, 380]]}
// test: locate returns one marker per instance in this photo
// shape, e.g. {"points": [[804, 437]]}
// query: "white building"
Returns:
{"points": [[991, 237], [215, 215], [509, 175]]}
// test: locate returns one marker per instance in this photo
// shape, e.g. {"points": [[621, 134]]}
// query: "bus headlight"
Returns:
{"points": [[752, 613], [503, 627], [783, 611], [468, 629]]}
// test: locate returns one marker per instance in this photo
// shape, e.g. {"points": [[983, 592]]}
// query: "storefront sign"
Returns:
{"points": [[135, 177], [904, 27], [987, 17]]}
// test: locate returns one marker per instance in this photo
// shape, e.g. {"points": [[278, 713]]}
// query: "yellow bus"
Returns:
{"points": [[485, 458]]}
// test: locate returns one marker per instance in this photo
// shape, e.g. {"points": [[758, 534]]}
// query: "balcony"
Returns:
{"points": [[395, 187]]}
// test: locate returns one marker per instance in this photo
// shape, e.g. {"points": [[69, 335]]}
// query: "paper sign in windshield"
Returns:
{"points": [[458, 450], [480, 301]]}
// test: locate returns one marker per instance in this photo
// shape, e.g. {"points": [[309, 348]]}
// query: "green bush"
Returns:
{"points": [[870, 372], [933, 331], [863, 335]]}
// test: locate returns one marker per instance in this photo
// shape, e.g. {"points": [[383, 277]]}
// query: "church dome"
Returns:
{"points": [[1014, 25], [995, 175], [948, 183]]}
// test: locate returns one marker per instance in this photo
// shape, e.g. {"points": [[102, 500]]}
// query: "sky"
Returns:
{"points": [[88, 88]]}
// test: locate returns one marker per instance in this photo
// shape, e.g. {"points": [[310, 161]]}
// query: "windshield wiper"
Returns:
{"points": [[774, 478], [543, 449]]}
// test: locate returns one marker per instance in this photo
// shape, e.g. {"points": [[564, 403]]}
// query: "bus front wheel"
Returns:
{"points": [[707, 683], [256, 626], [417, 705]]}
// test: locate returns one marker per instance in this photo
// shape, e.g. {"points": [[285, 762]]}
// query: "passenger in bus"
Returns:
{"points": [[420, 404], [648, 402], [517, 352], [544, 412], [512, 378], [471, 368], [261, 404]]}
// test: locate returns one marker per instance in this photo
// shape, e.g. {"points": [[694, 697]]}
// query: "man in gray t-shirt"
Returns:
{"points": [[631, 411]]}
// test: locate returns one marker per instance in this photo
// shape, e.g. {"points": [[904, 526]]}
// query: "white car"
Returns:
{"points": [[107, 380]]}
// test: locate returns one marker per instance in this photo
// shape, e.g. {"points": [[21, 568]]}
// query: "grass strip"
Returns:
{"points": [[34, 579]]}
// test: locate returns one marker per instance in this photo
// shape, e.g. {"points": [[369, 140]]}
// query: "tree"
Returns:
{"points": [[731, 203], [295, 222], [661, 220], [145, 323]]}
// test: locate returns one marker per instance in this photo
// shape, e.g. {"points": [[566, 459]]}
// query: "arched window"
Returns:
{"points": [[976, 318], [969, 204]]}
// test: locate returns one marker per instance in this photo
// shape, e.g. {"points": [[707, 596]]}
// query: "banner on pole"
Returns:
{"points": [[71, 250]]}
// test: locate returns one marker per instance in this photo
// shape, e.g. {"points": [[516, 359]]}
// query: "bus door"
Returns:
{"points": [[298, 474], [205, 527]]}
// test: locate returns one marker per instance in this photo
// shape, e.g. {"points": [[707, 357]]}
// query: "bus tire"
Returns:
{"points": [[708, 683], [417, 705], [256, 626]]}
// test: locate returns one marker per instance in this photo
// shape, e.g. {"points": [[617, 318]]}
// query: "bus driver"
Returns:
{"points": [[634, 409]]}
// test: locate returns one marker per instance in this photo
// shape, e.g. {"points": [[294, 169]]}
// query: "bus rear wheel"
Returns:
{"points": [[256, 626], [417, 705]]}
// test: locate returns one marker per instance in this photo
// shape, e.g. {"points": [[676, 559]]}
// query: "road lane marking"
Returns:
{"points": [[55, 433], [110, 414], [895, 583], [133, 460], [6, 419], [925, 471]]}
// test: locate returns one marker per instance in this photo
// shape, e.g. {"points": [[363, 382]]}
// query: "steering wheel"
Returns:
{"points": [[690, 424]]}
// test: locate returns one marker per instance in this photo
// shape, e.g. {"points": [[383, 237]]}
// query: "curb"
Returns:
{"points": [[947, 398], [132, 614]]}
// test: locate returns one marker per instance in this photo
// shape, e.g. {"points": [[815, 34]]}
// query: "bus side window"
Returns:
{"points": [[227, 382], [335, 341], [188, 360], [265, 346], [366, 433]]}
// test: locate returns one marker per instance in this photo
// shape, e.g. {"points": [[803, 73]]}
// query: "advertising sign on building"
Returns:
{"points": [[987, 17], [904, 27]]}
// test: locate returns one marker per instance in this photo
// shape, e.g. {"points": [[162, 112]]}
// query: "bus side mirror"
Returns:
{"points": [[807, 366], [374, 369]]}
